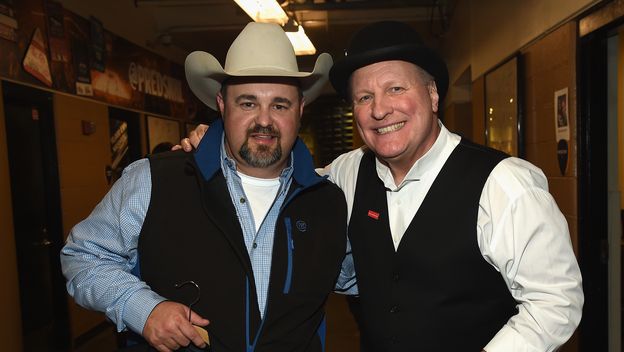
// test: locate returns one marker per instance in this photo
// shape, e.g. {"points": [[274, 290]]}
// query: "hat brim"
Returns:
{"points": [[423, 57], [205, 74]]}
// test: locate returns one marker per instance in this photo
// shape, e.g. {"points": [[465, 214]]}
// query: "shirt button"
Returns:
{"points": [[394, 309], [242, 200], [255, 245]]}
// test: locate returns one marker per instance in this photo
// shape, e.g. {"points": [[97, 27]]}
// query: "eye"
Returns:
{"points": [[247, 105], [396, 90], [280, 107], [364, 99]]}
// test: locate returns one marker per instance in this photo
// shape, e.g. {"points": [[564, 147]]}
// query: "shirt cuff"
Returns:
{"points": [[508, 340], [138, 308]]}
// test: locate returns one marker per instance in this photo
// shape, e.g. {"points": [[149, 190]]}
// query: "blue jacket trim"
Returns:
{"points": [[250, 347], [322, 332], [289, 245], [208, 153]]}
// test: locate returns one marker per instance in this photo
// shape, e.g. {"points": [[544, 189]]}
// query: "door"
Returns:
{"points": [[33, 172]]}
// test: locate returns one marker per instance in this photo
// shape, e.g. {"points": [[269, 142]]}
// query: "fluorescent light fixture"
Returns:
{"points": [[301, 42], [264, 11]]}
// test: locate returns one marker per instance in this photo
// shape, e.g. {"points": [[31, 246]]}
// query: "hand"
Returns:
{"points": [[167, 328], [192, 141]]}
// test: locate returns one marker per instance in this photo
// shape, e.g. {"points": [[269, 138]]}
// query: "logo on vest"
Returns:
{"points": [[301, 225]]}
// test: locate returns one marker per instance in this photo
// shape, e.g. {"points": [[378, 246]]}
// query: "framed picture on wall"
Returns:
{"points": [[561, 114], [503, 117], [162, 134]]}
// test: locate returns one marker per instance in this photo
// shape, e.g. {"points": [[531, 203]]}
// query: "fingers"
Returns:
{"points": [[198, 320], [186, 145], [197, 134], [194, 138], [191, 335], [176, 147], [169, 345], [167, 327], [201, 129]]}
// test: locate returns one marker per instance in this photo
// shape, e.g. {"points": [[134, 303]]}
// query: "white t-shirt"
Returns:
{"points": [[261, 193]]}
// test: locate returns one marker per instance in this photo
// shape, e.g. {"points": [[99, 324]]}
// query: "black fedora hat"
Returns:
{"points": [[384, 41]]}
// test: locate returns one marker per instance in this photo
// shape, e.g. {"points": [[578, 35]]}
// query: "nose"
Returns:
{"points": [[264, 117], [381, 108]]}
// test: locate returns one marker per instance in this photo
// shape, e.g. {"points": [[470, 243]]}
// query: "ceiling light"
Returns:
{"points": [[301, 42], [264, 11]]}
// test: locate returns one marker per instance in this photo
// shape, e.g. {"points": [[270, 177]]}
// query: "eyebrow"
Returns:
{"points": [[282, 100], [252, 97], [245, 97]]}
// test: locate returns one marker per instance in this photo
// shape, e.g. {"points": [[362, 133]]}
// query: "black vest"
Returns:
{"points": [[436, 292], [191, 232]]}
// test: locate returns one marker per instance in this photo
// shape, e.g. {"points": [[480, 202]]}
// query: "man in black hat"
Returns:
{"points": [[457, 247]]}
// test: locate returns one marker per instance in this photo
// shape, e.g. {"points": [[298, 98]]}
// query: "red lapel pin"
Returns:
{"points": [[373, 214]]}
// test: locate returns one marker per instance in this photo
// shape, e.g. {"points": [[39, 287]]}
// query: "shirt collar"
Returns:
{"points": [[208, 157], [430, 162]]}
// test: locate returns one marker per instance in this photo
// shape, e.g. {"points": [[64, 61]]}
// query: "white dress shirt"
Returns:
{"points": [[520, 232]]}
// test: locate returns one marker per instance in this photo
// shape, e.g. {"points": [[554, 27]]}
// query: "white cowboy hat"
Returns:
{"points": [[261, 49]]}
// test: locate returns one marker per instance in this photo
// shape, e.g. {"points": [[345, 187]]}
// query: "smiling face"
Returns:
{"points": [[261, 118], [395, 105]]}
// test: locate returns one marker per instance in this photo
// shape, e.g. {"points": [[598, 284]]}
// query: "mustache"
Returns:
{"points": [[268, 130]]}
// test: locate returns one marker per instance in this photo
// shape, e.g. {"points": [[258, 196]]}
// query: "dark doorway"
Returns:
{"points": [[34, 177], [592, 153]]}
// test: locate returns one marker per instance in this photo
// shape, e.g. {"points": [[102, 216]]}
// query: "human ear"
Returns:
{"points": [[433, 95], [220, 103]]}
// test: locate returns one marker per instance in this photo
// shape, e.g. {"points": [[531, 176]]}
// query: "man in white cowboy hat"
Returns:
{"points": [[456, 247], [234, 230]]}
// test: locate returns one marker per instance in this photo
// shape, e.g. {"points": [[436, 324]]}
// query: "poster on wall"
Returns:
{"points": [[161, 132], [59, 47], [36, 61], [562, 127], [8, 23], [97, 44]]}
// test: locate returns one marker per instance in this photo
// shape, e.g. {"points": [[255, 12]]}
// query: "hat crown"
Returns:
{"points": [[387, 41], [261, 45], [384, 34]]}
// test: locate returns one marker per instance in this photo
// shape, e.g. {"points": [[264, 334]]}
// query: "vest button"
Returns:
{"points": [[395, 277], [242, 200], [255, 245], [394, 309]]}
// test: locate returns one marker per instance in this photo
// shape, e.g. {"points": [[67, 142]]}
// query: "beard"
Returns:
{"points": [[263, 156]]}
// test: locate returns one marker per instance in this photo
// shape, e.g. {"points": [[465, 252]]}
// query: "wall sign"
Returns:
{"points": [[562, 128]]}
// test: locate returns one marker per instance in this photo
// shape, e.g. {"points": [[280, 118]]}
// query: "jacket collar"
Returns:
{"points": [[208, 157]]}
